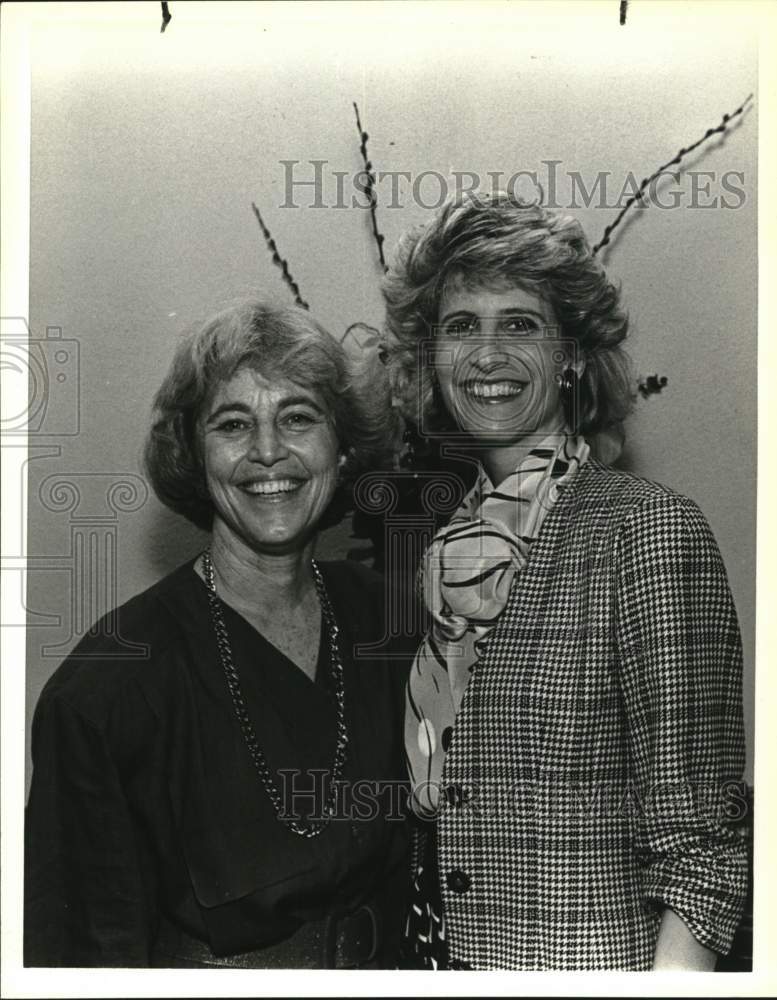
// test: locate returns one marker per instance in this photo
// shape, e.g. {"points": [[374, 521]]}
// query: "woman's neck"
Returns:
{"points": [[245, 577], [502, 460]]}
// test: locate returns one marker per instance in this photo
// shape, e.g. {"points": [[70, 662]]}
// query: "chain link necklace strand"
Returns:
{"points": [[309, 828]]}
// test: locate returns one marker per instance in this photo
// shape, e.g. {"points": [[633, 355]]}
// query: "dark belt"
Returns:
{"points": [[349, 942]]}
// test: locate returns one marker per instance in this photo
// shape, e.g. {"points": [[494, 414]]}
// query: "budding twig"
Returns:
{"points": [[680, 155], [278, 260], [370, 188]]}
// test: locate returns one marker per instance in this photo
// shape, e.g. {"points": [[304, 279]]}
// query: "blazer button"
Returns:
{"points": [[456, 795], [458, 881]]}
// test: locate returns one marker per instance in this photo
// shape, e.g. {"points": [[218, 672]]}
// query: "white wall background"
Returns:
{"points": [[148, 149]]}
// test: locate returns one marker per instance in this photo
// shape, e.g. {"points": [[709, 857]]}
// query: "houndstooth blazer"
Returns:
{"points": [[599, 747]]}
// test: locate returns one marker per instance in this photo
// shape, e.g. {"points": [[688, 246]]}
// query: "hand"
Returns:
{"points": [[678, 949]]}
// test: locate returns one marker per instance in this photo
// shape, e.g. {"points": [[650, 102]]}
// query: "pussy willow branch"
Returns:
{"points": [[680, 155], [650, 384], [166, 17], [370, 189], [278, 260]]}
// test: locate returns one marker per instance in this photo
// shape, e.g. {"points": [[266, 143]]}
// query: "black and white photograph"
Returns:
{"points": [[383, 401]]}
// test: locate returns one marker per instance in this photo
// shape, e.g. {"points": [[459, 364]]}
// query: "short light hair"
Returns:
{"points": [[496, 240], [279, 341]]}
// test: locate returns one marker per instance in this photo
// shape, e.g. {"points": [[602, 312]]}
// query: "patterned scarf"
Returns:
{"points": [[467, 574]]}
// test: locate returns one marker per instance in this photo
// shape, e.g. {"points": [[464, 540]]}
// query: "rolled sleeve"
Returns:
{"points": [[681, 674]]}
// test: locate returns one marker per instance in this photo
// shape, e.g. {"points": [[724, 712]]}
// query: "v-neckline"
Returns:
{"points": [[319, 678]]}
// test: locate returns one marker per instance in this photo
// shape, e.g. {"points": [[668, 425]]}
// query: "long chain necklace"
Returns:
{"points": [[304, 828]]}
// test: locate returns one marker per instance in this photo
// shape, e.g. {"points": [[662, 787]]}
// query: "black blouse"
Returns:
{"points": [[145, 803]]}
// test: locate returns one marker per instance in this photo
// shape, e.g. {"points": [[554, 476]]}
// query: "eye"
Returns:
{"points": [[232, 425], [521, 325], [461, 327], [300, 420]]}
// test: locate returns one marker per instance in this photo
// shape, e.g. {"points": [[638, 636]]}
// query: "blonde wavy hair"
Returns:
{"points": [[280, 341], [498, 240]]}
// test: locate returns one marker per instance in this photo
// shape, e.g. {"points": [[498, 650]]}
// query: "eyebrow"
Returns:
{"points": [[509, 311], [286, 401]]}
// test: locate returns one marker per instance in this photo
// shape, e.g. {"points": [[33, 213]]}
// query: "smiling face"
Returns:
{"points": [[270, 454], [498, 357]]}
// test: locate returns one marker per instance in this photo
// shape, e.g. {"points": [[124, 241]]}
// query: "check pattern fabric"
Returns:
{"points": [[599, 745], [468, 572]]}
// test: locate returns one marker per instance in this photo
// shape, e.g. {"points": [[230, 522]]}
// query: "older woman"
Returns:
{"points": [[574, 718], [230, 798]]}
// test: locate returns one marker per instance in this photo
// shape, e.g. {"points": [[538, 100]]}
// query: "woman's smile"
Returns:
{"points": [[272, 489], [498, 363], [270, 455], [492, 392]]}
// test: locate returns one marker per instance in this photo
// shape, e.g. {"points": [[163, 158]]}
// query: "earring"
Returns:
{"points": [[342, 461], [568, 380], [569, 384]]}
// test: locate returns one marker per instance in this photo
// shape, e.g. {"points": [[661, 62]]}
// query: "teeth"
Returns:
{"points": [[492, 390], [275, 486]]}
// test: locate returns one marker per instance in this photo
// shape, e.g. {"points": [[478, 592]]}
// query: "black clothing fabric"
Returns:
{"points": [[146, 808], [425, 941]]}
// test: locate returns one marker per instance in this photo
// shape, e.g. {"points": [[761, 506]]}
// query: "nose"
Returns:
{"points": [[490, 340], [488, 330], [490, 354], [268, 445]]}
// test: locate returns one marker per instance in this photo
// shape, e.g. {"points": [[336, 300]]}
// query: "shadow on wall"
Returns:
{"points": [[171, 540]]}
